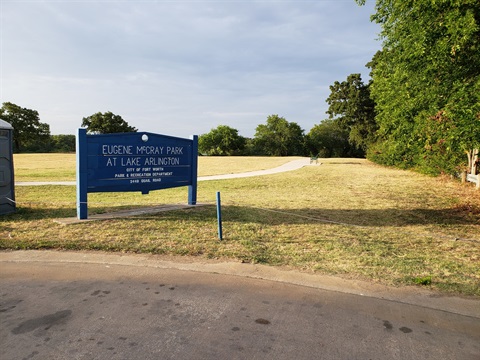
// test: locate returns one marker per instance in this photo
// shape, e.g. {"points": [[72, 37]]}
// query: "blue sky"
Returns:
{"points": [[181, 67]]}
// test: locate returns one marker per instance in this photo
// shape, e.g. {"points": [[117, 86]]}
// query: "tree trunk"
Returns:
{"points": [[474, 167], [472, 161]]}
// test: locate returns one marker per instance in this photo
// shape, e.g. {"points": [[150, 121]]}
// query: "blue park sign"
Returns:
{"points": [[137, 161]]}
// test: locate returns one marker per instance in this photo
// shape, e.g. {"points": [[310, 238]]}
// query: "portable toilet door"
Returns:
{"points": [[7, 191]]}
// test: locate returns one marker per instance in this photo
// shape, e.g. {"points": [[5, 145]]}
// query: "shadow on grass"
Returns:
{"points": [[37, 213], [266, 216]]}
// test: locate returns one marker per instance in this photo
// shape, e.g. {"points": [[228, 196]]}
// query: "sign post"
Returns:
{"points": [[192, 189], [137, 161], [82, 171], [219, 216]]}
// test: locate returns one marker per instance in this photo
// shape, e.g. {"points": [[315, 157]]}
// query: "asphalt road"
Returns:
{"points": [[57, 305]]}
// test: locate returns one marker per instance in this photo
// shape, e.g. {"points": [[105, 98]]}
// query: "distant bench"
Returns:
{"points": [[314, 158]]}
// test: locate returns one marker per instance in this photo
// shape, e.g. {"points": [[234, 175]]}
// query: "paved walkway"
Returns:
{"points": [[290, 166]]}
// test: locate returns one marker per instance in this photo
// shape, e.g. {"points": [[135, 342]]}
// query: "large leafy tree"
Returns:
{"points": [[223, 140], [278, 137], [353, 110], [28, 131], [328, 139], [426, 83], [63, 143], [106, 123]]}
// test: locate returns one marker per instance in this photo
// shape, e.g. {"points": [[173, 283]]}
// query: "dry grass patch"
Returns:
{"points": [[44, 167]]}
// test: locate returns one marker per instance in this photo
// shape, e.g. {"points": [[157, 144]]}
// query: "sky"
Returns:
{"points": [[181, 67]]}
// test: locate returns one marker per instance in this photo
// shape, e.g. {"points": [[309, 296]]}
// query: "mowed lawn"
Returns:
{"points": [[62, 167], [345, 217]]}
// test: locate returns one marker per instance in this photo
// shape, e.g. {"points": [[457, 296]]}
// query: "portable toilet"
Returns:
{"points": [[7, 193]]}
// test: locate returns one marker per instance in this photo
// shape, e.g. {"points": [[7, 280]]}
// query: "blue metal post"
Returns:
{"points": [[219, 216], [82, 211], [192, 189]]}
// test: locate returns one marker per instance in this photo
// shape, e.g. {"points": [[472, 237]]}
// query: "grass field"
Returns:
{"points": [[346, 217], [61, 167]]}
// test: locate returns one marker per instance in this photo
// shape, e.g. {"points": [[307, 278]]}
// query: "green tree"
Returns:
{"points": [[28, 131], [222, 140], [278, 137], [63, 143], [328, 139], [426, 83], [353, 110], [106, 123]]}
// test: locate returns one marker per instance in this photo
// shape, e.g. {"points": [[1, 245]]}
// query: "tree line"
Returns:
{"points": [[32, 136], [277, 137], [420, 108]]}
